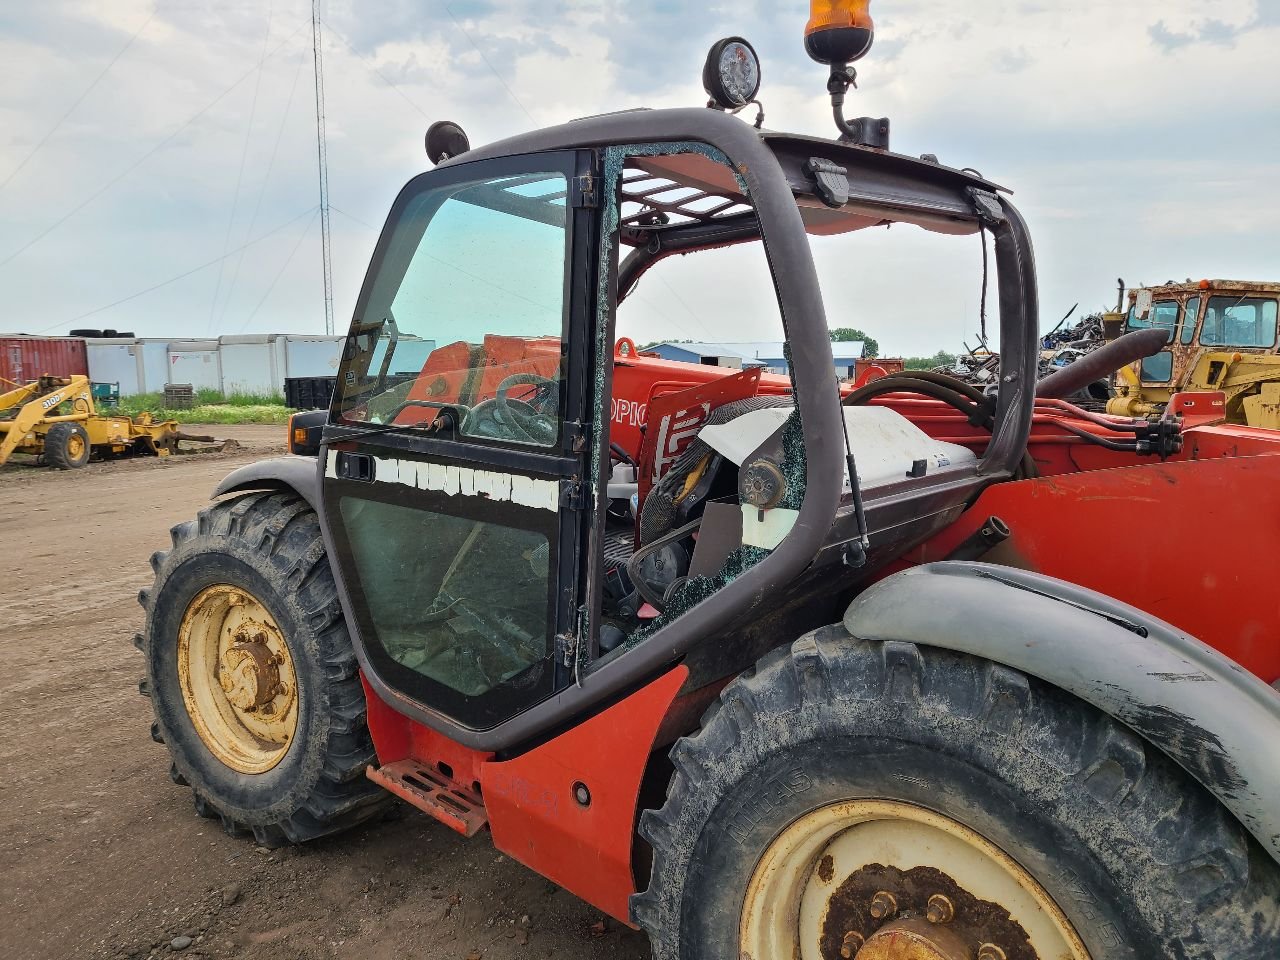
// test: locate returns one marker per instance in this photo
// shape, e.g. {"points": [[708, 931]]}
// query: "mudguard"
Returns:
{"points": [[299, 474], [1212, 717]]}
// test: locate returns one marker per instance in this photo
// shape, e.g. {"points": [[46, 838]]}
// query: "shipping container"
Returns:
{"points": [[26, 358]]}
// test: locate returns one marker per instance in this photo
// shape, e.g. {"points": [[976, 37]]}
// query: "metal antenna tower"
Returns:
{"points": [[324, 167]]}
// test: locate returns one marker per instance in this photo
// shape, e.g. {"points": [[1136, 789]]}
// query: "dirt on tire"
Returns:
{"points": [[104, 857]]}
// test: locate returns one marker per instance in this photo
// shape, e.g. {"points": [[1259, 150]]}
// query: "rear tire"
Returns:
{"points": [[66, 446], [268, 547], [1137, 858]]}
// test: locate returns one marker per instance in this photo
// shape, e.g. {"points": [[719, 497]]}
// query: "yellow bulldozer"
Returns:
{"points": [[56, 418], [1222, 338]]}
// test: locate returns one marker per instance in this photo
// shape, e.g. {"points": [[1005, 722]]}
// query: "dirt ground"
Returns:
{"points": [[103, 857]]}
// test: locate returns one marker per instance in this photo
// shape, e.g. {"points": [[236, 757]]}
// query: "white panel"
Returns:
{"points": [[194, 362], [884, 442], [311, 356], [247, 367], [115, 361], [155, 365]]}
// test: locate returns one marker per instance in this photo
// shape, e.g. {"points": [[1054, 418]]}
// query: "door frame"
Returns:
{"points": [[565, 463]]}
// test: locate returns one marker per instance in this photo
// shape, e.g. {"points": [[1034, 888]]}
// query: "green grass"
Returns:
{"points": [[212, 407]]}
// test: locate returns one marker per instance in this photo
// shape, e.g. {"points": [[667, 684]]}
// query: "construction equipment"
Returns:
{"points": [[1221, 339], [765, 665], [57, 418]]}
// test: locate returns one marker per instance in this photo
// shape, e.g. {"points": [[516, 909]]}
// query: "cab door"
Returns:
{"points": [[453, 460]]}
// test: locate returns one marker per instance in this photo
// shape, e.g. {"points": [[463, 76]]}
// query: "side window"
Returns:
{"points": [[1158, 367], [1189, 316], [1162, 315], [465, 315], [1239, 322]]}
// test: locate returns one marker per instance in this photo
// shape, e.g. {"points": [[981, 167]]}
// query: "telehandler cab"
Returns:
{"points": [[764, 665]]}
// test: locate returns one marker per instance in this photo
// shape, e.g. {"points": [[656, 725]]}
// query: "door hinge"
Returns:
{"points": [[572, 494], [567, 649], [585, 195], [575, 436]]}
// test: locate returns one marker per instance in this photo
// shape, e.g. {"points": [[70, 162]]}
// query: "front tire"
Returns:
{"points": [[252, 675], [66, 446], [841, 769]]}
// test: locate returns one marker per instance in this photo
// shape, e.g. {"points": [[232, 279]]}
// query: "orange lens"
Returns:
{"points": [[830, 14]]}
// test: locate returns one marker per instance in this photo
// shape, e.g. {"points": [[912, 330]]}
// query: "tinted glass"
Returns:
{"points": [[1158, 368], [1163, 314], [1239, 322], [1189, 320], [465, 314], [470, 611]]}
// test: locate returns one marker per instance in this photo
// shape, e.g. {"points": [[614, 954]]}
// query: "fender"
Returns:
{"points": [[299, 474], [1213, 718]]}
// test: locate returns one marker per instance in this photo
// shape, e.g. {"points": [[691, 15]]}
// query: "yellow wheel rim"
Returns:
{"points": [[237, 679], [75, 446], [881, 879]]}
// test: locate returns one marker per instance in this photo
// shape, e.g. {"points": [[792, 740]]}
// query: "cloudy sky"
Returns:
{"points": [[158, 168]]}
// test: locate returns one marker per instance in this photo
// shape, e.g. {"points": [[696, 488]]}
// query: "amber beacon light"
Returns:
{"points": [[838, 31]]}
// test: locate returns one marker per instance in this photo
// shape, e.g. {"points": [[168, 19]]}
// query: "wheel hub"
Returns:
{"points": [[237, 679], [913, 940], [248, 673], [888, 880]]}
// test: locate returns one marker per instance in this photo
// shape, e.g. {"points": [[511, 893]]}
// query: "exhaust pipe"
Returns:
{"points": [[1101, 363]]}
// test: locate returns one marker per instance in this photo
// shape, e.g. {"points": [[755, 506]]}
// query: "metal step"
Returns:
{"points": [[431, 791]]}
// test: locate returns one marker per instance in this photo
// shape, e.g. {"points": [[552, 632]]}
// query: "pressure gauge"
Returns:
{"points": [[731, 75]]}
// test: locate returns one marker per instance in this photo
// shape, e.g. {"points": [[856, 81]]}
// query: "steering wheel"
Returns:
{"points": [[505, 418]]}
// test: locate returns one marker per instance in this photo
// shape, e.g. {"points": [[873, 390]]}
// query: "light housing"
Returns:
{"points": [[731, 75], [838, 31], [305, 430], [445, 140]]}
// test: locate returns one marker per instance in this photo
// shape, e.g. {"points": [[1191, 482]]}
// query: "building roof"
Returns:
{"points": [[760, 349]]}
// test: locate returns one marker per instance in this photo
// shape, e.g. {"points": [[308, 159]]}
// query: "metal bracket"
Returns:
{"points": [[831, 180], [566, 649], [571, 495], [574, 433], [987, 206], [585, 194]]}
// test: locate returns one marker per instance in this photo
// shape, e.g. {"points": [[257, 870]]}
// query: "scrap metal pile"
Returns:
{"points": [[1059, 348]]}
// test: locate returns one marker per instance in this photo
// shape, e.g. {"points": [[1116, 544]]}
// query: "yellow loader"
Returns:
{"points": [[57, 418], [1222, 336]]}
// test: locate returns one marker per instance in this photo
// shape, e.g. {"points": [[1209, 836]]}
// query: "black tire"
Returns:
{"points": [[270, 545], [1141, 859], [58, 442]]}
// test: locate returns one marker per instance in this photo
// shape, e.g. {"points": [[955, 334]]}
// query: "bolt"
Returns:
{"points": [[582, 794], [883, 905], [989, 951], [941, 909], [851, 944]]}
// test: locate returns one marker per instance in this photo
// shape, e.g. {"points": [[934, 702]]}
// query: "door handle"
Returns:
{"points": [[355, 466]]}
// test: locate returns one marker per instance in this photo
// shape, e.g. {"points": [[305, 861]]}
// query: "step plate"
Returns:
{"points": [[432, 792]]}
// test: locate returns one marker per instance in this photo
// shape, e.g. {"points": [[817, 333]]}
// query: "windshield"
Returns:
{"points": [[1163, 315], [465, 311], [1239, 322]]}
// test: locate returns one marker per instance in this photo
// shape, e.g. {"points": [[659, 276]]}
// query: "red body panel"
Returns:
{"points": [[1125, 533], [537, 820], [530, 800]]}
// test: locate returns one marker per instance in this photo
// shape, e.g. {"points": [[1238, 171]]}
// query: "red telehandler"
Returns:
{"points": [[766, 666]]}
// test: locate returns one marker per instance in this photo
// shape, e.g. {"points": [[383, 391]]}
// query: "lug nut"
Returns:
{"points": [[989, 951], [851, 944], [883, 905], [941, 909]]}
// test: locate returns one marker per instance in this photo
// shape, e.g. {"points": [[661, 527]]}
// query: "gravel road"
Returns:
{"points": [[103, 857]]}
